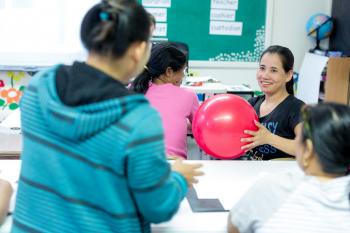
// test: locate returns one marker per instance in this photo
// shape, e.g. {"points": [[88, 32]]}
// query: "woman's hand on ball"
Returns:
{"points": [[260, 137]]}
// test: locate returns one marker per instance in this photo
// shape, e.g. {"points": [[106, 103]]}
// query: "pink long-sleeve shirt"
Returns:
{"points": [[177, 107]]}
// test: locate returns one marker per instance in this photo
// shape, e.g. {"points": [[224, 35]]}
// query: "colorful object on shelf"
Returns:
{"points": [[10, 97], [319, 26], [12, 85], [219, 125]]}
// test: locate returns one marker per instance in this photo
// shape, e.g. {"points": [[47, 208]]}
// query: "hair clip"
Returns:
{"points": [[104, 16]]}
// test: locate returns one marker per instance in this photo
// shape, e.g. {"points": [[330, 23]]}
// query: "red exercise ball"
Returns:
{"points": [[219, 125]]}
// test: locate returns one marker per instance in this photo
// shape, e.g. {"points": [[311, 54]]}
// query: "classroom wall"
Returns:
{"points": [[288, 29]]}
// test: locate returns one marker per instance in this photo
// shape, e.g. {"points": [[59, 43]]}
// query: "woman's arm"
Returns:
{"points": [[5, 196], [263, 136], [286, 145], [230, 227]]}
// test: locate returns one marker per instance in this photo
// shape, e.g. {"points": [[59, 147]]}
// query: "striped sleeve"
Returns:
{"points": [[262, 200], [157, 190]]}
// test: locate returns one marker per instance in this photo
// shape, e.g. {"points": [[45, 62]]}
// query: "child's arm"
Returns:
{"points": [[230, 227], [194, 107], [5, 196]]}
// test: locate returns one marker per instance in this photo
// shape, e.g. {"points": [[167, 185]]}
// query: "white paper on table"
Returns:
{"points": [[228, 199]]}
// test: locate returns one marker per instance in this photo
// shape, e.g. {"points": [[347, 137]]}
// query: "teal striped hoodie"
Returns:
{"points": [[98, 167]]}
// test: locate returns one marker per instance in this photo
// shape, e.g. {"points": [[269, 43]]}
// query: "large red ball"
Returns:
{"points": [[219, 125]]}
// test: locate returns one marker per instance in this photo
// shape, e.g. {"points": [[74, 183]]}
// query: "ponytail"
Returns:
{"points": [[163, 56], [141, 83], [290, 86]]}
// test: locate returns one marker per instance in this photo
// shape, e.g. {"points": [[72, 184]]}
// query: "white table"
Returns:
{"points": [[226, 180], [219, 88], [10, 145], [10, 136], [212, 86], [208, 88], [209, 85]]}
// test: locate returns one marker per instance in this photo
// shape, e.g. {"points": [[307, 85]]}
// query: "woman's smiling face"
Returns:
{"points": [[271, 75]]}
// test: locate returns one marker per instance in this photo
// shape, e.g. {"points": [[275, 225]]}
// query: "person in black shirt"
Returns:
{"points": [[278, 109]]}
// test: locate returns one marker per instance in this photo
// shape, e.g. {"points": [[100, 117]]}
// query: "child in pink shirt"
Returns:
{"points": [[160, 82]]}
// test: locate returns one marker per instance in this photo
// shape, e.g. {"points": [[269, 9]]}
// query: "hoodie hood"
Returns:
{"points": [[333, 194], [91, 115]]}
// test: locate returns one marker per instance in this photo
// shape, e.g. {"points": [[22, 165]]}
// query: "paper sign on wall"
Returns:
{"points": [[226, 28], [224, 4], [161, 29], [218, 14], [156, 3], [160, 14]]}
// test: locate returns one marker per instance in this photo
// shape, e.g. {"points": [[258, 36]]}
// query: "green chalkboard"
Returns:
{"points": [[189, 21]]}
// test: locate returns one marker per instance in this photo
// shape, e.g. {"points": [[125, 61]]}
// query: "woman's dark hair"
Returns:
{"points": [[111, 26], [327, 125], [163, 56], [287, 59], [152, 19]]}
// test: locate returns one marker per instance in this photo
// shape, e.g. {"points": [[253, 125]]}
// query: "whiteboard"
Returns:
{"points": [[40, 33]]}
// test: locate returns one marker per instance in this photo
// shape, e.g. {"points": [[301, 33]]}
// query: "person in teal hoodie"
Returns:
{"points": [[93, 155]]}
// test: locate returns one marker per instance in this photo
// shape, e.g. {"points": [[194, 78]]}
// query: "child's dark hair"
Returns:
{"points": [[162, 57], [111, 26], [287, 59], [327, 125]]}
